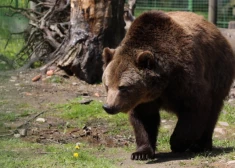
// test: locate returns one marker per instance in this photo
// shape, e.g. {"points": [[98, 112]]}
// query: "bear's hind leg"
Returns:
{"points": [[206, 140], [189, 129], [145, 120]]}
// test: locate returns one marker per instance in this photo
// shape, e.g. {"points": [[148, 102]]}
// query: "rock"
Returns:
{"points": [[13, 77], [22, 132], [163, 121], [17, 135], [85, 101], [96, 95], [231, 162], [219, 130], [50, 72], [167, 126], [223, 123], [28, 94], [41, 120], [36, 78]]}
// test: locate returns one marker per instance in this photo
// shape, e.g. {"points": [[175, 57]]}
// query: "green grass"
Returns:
{"points": [[55, 79], [93, 113], [11, 112], [9, 116], [228, 113], [17, 153], [163, 140]]}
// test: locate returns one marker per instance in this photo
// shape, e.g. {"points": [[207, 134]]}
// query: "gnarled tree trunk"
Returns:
{"points": [[94, 24], [71, 34]]}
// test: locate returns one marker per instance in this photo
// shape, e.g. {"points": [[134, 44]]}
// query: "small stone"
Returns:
{"points": [[223, 123], [163, 121], [41, 120], [74, 84], [50, 72], [17, 135], [36, 78], [28, 94], [13, 77], [231, 162], [22, 132], [219, 130], [96, 95]]}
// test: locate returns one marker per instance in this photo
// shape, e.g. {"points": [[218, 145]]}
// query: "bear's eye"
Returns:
{"points": [[123, 88]]}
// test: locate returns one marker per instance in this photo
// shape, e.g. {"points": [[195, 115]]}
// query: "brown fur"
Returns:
{"points": [[175, 61]]}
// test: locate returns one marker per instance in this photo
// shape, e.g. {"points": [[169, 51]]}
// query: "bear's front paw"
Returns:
{"points": [[142, 155]]}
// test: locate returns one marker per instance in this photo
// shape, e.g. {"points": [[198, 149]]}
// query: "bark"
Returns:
{"points": [[93, 26]]}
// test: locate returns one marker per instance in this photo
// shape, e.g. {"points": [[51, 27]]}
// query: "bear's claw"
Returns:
{"points": [[141, 156]]}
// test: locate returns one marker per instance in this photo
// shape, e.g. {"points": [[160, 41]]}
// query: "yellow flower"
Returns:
{"points": [[77, 147], [75, 155]]}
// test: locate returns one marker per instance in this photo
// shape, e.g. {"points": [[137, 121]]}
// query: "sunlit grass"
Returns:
{"points": [[17, 153], [93, 114], [228, 113]]}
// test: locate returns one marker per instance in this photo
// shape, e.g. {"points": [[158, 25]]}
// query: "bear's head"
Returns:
{"points": [[131, 77]]}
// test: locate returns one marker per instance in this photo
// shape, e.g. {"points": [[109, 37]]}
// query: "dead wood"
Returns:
{"points": [[71, 34]]}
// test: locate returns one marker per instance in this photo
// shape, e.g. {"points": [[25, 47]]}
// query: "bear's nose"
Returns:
{"points": [[109, 109]]}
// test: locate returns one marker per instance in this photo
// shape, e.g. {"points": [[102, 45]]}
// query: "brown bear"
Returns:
{"points": [[175, 61]]}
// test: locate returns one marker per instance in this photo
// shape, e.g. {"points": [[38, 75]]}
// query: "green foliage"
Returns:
{"points": [[11, 44], [15, 3]]}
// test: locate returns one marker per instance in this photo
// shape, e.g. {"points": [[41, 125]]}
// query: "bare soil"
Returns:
{"points": [[18, 92]]}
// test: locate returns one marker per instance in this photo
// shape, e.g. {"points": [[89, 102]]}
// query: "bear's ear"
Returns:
{"points": [[146, 60], [107, 55]]}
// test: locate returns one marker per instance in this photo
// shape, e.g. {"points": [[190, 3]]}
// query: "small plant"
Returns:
{"points": [[77, 147], [55, 79]]}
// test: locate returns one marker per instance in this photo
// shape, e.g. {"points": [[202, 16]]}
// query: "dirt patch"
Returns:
{"points": [[17, 89]]}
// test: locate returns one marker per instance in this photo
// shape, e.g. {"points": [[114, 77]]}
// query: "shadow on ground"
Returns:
{"points": [[171, 156]]}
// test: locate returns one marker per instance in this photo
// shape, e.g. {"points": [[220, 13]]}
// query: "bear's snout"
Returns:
{"points": [[110, 109]]}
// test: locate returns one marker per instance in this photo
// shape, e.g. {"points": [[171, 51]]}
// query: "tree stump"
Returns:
{"points": [[93, 26]]}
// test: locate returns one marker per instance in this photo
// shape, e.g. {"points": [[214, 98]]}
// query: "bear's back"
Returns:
{"points": [[186, 40]]}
